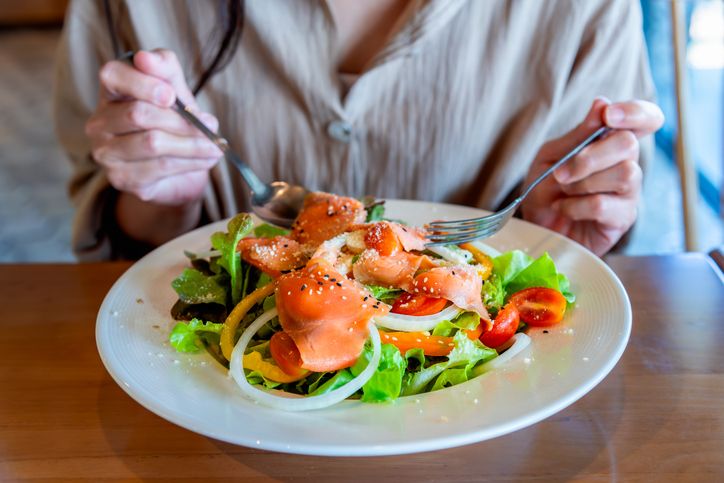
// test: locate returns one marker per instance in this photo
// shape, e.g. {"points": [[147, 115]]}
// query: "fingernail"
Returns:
{"points": [[615, 115]]}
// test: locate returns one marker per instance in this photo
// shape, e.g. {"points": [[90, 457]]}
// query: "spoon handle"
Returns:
{"points": [[259, 189]]}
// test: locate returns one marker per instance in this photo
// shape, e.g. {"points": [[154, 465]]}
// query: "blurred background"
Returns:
{"points": [[35, 213]]}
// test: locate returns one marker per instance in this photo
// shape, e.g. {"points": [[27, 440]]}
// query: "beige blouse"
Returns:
{"points": [[454, 107]]}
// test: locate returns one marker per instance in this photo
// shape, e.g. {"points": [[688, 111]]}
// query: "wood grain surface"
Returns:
{"points": [[659, 416]]}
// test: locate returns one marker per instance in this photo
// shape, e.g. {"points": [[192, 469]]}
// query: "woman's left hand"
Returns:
{"points": [[593, 198]]}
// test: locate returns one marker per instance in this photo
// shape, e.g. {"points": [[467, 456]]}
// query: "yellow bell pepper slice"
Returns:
{"points": [[254, 362], [234, 319], [483, 259]]}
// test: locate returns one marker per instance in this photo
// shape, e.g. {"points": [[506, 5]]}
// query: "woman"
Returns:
{"points": [[445, 100]]}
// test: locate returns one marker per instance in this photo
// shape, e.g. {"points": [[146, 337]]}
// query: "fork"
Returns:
{"points": [[461, 231]]}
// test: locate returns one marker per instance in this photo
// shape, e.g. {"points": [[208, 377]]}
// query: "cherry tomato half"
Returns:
{"points": [[417, 304], [504, 327], [539, 306], [285, 353]]}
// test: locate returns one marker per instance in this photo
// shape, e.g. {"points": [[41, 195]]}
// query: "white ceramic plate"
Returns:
{"points": [[195, 392]]}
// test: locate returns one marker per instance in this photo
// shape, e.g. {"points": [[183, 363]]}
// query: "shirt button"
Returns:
{"points": [[340, 130]]}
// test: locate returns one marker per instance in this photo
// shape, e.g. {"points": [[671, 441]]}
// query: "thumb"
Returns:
{"points": [[164, 64]]}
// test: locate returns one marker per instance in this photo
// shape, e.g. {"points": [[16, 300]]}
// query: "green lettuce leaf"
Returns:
{"points": [[266, 230], [515, 271], [185, 337], [194, 287], [510, 264], [335, 382], [226, 243], [465, 355], [493, 293], [466, 320], [386, 382], [384, 294]]}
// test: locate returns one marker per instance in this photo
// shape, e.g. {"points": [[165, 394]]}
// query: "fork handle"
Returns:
{"points": [[259, 189], [593, 137]]}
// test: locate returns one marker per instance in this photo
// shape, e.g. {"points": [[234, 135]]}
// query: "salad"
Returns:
{"points": [[348, 304]]}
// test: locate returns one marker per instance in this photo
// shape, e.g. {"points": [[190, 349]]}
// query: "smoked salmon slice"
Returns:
{"points": [[325, 216], [273, 255], [394, 271], [326, 315], [460, 284]]}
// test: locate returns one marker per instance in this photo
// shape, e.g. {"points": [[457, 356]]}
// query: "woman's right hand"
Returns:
{"points": [[147, 149]]}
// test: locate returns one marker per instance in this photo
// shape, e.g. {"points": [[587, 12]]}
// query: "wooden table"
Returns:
{"points": [[659, 416]]}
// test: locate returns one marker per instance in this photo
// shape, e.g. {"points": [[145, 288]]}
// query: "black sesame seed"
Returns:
{"points": [[303, 287], [339, 284], [545, 331], [286, 245], [320, 283], [453, 272], [326, 275], [365, 299]]}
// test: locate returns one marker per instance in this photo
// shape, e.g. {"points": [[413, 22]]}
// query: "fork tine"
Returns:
{"points": [[466, 230], [457, 239]]}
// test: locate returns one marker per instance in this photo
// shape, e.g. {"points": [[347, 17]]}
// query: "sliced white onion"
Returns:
{"points": [[487, 249], [412, 323], [293, 402], [331, 249], [520, 342], [460, 256]]}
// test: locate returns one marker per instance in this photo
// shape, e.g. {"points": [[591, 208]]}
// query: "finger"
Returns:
{"points": [[119, 81], [623, 179], [641, 117], [154, 144], [599, 156], [138, 175], [608, 210], [164, 64], [557, 148], [128, 117]]}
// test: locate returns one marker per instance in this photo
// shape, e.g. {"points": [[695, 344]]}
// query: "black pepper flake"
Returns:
{"points": [[545, 331], [303, 287]]}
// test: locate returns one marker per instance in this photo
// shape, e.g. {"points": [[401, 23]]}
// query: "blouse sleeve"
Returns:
{"points": [[84, 47]]}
